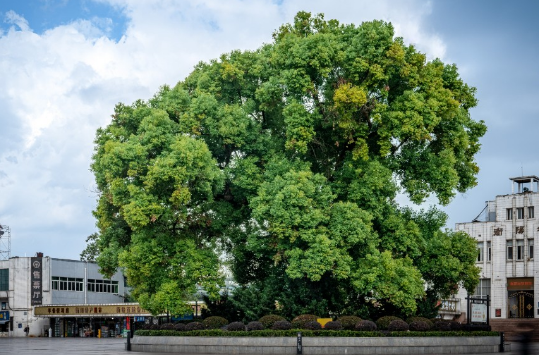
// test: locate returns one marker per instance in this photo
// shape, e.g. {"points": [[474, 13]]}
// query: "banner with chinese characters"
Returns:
{"points": [[36, 271], [91, 310], [479, 312]]}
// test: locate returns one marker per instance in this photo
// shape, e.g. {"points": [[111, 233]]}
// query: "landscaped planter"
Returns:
{"points": [[316, 345]]}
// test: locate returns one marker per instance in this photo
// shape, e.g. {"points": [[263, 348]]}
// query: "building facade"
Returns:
{"points": [[30, 282], [506, 252]]}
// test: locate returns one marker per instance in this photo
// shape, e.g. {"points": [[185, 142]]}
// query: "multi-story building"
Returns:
{"points": [[28, 283], [506, 237]]}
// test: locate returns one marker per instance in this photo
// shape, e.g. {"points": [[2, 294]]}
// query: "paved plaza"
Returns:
{"points": [[104, 346]]}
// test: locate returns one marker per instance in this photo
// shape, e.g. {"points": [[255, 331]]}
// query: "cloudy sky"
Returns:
{"points": [[64, 64]]}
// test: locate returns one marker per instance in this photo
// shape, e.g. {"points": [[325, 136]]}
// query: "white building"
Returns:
{"points": [[30, 282], [506, 256]]}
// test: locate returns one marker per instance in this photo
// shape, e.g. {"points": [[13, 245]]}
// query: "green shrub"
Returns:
{"points": [[420, 319], [398, 326], [333, 325], [299, 321], [383, 322], [179, 327], [419, 326], [366, 326], [194, 326], [313, 333], [255, 326], [268, 320], [455, 325], [236, 327], [215, 322], [167, 326], [442, 326], [281, 325], [312, 325], [349, 322]]}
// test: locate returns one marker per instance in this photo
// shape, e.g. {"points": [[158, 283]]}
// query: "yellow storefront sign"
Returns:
{"points": [[91, 310]]}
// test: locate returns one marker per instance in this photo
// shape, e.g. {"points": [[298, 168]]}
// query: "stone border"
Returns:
{"points": [[316, 345]]}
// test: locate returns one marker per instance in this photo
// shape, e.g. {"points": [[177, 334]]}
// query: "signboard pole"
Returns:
{"points": [[488, 309]]}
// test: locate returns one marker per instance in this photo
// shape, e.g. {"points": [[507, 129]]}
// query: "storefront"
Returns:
{"points": [[91, 320], [520, 297]]}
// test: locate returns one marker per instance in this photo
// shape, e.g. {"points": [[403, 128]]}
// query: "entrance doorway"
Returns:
{"points": [[520, 304]]}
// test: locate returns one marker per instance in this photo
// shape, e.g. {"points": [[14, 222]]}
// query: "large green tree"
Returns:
{"points": [[284, 165]]}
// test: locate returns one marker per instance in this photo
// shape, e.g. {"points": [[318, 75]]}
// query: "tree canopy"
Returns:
{"points": [[283, 166]]}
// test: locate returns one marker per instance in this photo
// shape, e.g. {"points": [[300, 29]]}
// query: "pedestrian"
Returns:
{"points": [[27, 330]]}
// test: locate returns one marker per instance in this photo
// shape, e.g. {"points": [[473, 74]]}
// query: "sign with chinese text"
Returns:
{"points": [[4, 315], [36, 271], [479, 312], [521, 283], [91, 310]]}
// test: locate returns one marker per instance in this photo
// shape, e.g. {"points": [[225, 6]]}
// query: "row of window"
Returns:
{"points": [[510, 251], [4, 279], [520, 213], [76, 284]]}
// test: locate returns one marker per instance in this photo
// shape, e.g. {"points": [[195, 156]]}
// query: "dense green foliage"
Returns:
{"points": [[288, 161], [312, 333]]}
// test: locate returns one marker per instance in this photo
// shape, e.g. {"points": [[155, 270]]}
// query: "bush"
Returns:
{"points": [[167, 326], [419, 326], [442, 326], [349, 322], [255, 326], [333, 325], [236, 327], [366, 326], [398, 326], [155, 327], [179, 327], [454, 325], [281, 325], [312, 325], [194, 326], [419, 319], [299, 321], [215, 322], [383, 322], [268, 320]]}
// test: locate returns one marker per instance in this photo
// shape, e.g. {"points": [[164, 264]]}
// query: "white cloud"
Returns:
{"points": [[58, 87], [13, 18]]}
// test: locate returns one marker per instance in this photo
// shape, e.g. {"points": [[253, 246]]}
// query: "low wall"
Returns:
{"points": [[316, 345]]}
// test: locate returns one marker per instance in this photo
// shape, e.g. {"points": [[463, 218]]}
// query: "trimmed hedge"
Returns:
{"points": [[398, 326], [255, 326], [349, 322], [333, 325], [281, 325], [214, 322], [270, 319], [236, 327], [383, 322], [311, 333], [299, 321], [312, 325], [366, 326]]}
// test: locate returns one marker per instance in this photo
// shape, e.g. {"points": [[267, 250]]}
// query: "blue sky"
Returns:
{"points": [[64, 64]]}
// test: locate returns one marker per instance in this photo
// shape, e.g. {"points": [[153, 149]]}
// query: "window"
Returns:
{"points": [[483, 288], [531, 212], [520, 213], [520, 249], [103, 286], [509, 250], [4, 279], [480, 256], [509, 213], [530, 248], [489, 251], [67, 284]]}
